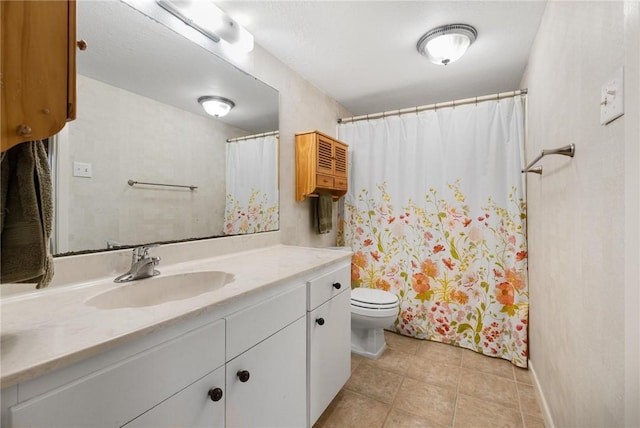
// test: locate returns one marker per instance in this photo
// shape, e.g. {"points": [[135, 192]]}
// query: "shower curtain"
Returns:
{"points": [[436, 213], [251, 185]]}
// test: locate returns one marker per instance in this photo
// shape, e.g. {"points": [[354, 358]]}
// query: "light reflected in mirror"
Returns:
{"points": [[138, 119]]}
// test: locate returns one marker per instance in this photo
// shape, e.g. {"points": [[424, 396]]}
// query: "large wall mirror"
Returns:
{"points": [[139, 120]]}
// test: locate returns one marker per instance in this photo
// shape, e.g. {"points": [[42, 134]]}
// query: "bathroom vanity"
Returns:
{"points": [[267, 346]]}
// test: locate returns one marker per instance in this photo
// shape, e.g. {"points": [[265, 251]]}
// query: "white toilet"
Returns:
{"points": [[372, 310]]}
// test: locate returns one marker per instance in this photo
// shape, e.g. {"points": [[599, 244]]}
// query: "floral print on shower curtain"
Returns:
{"points": [[439, 219], [251, 186]]}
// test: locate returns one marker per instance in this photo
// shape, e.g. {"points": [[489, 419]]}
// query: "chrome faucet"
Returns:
{"points": [[142, 266]]}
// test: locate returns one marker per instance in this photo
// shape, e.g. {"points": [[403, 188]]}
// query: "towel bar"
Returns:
{"points": [[315, 195], [569, 150], [132, 182]]}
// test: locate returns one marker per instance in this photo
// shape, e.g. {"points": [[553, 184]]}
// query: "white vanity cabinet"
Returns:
{"points": [[266, 382], [262, 360], [114, 395], [328, 338]]}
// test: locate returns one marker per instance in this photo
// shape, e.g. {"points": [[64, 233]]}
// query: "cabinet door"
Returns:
{"points": [[194, 406], [340, 153], [324, 156], [38, 82], [329, 336], [274, 395], [119, 393]]}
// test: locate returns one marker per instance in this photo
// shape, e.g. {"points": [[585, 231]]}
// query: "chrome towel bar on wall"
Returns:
{"points": [[132, 182], [569, 150]]}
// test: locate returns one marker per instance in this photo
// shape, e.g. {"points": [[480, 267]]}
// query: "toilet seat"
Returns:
{"points": [[373, 303], [372, 298]]}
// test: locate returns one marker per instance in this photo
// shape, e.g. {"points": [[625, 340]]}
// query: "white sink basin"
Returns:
{"points": [[160, 289]]}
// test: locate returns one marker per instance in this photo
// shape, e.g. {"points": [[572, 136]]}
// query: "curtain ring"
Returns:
{"points": [[476, 101]]}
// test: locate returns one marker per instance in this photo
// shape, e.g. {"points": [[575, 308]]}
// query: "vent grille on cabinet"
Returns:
{"points": [[341, 160], [324, 154]]}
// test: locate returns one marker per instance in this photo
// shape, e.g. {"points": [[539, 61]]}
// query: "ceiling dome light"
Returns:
{"points": [[446, 44], [216, 106]]}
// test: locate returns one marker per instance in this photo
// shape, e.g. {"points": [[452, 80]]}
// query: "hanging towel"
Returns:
{"points": [[324, 212], [26, 215]]}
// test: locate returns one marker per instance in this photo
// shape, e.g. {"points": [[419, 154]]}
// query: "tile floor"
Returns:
{"points": [[418, 383]]}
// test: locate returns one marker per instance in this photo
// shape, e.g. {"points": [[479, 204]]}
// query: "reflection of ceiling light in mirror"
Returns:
{"points": [[216, 106], [208, 19], [446, 44]]}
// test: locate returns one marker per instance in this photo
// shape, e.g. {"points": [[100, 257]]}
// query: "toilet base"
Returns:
{"points": [[368, 342]]}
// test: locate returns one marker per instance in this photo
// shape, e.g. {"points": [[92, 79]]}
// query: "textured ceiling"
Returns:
{"points": [[362, 53]]}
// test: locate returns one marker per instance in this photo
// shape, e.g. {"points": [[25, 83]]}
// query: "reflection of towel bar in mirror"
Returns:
{"points": [[315, 195], [569, 150], [132, 182]]}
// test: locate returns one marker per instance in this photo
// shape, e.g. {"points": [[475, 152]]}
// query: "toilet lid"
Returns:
{"points": [[373, 298]]}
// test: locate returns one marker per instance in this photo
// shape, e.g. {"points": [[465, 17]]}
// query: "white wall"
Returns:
{"points": [[577, 216], [302, 108], [632, 212]]}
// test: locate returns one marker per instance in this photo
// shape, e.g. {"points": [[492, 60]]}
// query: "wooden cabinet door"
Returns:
{"points": [[340, 161], [274, 395], [324, 156], [191, 407], [38, 69], [329, 336]]}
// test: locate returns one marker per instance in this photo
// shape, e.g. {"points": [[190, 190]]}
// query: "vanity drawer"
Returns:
{"points": [[252, 325], [324, 287], [116, 394]]}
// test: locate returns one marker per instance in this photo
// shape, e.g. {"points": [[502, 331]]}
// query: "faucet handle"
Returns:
{"points": [[142, 252]]}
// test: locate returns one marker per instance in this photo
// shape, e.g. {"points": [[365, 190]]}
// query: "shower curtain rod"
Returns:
{"points": [[474, 100], [264, 134]]}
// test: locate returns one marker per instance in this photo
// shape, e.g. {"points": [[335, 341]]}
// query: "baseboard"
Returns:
{"points": [[546, 413]]}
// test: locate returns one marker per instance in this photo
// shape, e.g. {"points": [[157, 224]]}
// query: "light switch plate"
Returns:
{"points": [[612, 98], [82, 169]]}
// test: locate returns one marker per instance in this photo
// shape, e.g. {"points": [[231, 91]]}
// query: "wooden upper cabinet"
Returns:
{"points": [[38, 69], [321, 165]]}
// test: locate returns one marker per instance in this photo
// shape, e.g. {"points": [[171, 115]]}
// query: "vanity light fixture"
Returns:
{"points": [[446, 44], [205, 17], [216, 106]]}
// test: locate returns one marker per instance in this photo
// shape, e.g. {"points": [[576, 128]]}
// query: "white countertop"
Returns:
{"points": [[47, 329]]}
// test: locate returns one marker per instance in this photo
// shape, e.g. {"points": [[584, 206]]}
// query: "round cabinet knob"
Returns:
{"points": [[215, 394], [243, 375], [24, 130], [337, 285], [320, 321], [82, 45]]}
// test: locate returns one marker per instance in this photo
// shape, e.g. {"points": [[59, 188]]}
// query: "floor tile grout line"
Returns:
{"points": [[520, 405], [393, 402], [455, 404]]}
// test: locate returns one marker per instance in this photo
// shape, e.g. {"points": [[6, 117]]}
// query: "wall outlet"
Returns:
{"points": [[82, 169], [612, 98]]}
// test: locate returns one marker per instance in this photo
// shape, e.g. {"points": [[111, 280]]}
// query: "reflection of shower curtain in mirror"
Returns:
{"points": [[436, 214], [252, 186]]}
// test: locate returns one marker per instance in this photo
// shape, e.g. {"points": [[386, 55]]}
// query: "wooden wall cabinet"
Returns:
{"points": [[38, 69], [321, 165]]}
